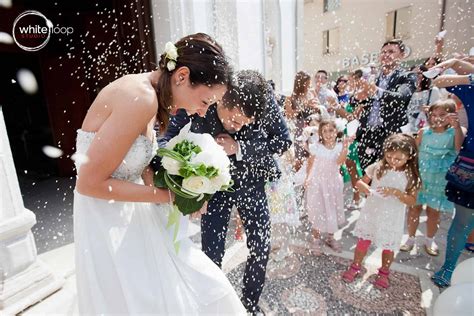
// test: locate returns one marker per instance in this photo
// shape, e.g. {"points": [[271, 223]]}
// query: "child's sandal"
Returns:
{"points": [[352, 273], [382, 281]]}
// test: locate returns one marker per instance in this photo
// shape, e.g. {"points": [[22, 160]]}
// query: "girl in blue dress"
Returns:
{"points": [[438, 146]]}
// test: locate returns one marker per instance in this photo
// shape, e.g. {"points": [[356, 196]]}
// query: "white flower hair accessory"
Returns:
{"points": [[171, 54]]}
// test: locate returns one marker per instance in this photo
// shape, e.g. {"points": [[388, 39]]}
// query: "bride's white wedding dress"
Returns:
{"points": [[126, 262]]}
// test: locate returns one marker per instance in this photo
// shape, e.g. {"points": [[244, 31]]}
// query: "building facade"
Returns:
{"points": [[341, 35]]}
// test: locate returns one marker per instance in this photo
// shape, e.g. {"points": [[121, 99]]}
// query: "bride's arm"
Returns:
{"points": [[110, 145]]}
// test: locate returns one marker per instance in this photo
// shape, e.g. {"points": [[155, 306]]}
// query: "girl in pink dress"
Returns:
{"points": [[324, 185]]}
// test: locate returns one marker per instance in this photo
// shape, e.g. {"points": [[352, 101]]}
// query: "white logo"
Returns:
{"points": [[32, 30]]}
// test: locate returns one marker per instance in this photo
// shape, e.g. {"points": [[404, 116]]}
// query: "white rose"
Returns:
{"points": [[183, 133], [198, 185], [171, 51], [171, 165], [171, 65], [216, 158], [205, 141], [220, 180]]}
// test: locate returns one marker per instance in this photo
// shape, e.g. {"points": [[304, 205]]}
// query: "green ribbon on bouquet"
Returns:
{"points": [[174, 220]]}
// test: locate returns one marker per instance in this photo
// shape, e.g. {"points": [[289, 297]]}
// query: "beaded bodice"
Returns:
{"points": [[137, 158]]}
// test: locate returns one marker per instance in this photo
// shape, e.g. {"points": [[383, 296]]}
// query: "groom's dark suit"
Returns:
{"points": [[258, 142]]}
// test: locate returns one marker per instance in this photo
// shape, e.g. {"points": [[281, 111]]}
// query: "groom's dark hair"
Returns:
{"points": [[250, 92]]}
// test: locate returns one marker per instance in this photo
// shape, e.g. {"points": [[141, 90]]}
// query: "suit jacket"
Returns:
{"points": [[258, 142], [394, 101]]}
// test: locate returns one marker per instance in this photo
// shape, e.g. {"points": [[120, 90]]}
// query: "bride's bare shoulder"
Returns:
{"points": [[130, 90]]}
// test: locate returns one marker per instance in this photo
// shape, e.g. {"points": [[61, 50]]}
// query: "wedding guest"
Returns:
{"points": [[437, 57], [282, 202], [351, 170], [324, 196], [386, 113], [390, 185], [460, 187], [438, 145], [421, 98], [298, 107], [326, 96], [341, 90]]}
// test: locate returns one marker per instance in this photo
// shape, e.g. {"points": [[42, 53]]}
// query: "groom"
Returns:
{"points": [[251, 128]]}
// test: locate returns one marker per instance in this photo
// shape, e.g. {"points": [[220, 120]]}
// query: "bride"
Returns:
{"points": [[125, 260]]}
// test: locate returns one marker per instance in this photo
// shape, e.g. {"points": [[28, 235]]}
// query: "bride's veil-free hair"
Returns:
{"points": [[207, 65]]}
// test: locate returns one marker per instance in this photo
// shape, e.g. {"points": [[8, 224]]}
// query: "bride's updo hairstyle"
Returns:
{"points": [[206, 62]]}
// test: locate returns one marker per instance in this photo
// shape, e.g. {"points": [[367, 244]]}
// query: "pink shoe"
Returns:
{"points": [[382, 281], [239, 235], [352, 273]]}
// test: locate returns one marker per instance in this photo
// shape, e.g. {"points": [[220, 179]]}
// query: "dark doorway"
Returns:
{"points": [[111, 38], [26, 117]]}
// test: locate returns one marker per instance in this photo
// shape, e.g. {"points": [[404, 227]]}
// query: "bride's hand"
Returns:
{"points": [[147, 176]]}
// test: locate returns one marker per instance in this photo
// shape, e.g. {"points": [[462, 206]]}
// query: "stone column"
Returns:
{"points": [[299, 35], [272, 26], [24, 280]]}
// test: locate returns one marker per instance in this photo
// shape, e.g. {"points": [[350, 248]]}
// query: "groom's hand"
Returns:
{"points": [[229, 144]]}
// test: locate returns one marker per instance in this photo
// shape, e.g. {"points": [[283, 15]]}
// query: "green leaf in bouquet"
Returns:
{"points": [[211, 172], [187, 170], [187, 149], [163, 152], [198, 170], [159, 178], [188, 206]]}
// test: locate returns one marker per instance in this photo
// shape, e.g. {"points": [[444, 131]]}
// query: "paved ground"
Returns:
{"points": [[304, 284], [51, 201], [300, 281]]}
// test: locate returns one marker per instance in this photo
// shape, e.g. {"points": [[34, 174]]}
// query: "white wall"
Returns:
{"points": [[241, 27], [251, 35], [362, 26]]}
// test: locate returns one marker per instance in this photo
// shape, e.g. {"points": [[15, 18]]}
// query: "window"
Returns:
{"points": [[331, 41], [331, 5], [398, 23]]}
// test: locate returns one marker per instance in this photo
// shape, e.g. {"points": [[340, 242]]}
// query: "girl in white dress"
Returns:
{"points": [[391, 185], [126, 262]]}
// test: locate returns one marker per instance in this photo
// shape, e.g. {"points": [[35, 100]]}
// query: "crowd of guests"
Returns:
{"points": [[412, 151]]}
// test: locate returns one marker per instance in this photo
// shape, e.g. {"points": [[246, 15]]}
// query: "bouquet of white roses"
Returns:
{"points": [[194, 168]]}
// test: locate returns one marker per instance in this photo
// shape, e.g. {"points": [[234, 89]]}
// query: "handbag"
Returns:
{"points": [[461, 172]]}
